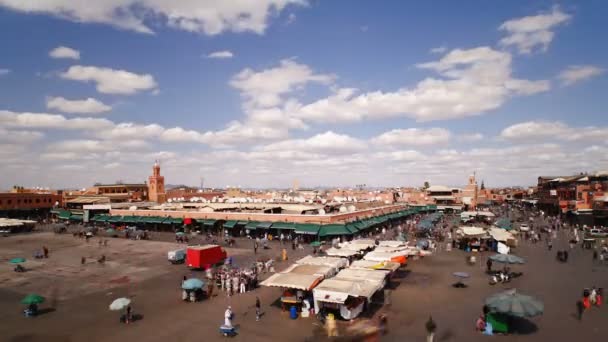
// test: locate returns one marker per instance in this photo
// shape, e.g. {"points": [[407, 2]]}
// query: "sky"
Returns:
{"points": [[328, 93]]}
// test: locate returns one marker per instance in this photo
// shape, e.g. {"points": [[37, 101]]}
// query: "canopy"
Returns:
{"points": [[336, 263], [119, 304], [16, 260], [307, 228], [64, 214], [515, 304], [500, 234], [114, 219], [316, 270], [75, 218], [375, 265], [192, 284], [284, 225], [207, 222], [341, 252], [391, 243], [296, 281], [173, 220], [471, 231], [252, 225], [507, 259], [230, 224], [264, 225], [32, 299], [100, 218]]}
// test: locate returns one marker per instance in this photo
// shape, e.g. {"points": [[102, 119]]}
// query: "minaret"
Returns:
{"points": [[156, 185]]}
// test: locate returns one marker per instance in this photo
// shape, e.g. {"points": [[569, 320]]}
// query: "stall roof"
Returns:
{"points": [[264, 225], [391, 243], [341, 252], [323, 261], [358, 274], [251, 225], [304, 282], [337, 290], [316, 270], [374, 265], [472, 231], [500, 234], [334, 230]]}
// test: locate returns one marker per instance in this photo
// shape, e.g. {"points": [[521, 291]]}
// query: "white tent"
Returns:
{"points": [[296, 281], [341, 252], [316, 270], [336, 263], [471, 232], [374, 265]]}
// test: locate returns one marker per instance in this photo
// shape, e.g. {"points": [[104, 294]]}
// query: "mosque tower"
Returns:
{"points": [[156, 185]]}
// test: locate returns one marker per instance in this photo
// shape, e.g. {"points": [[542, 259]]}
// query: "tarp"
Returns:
{"points": [[374, 265], [471, 231], [316, 270], [293, 281], [357, 274], [502, 248], [341, 252], [336, 263], [500, 234], [391, 243]]}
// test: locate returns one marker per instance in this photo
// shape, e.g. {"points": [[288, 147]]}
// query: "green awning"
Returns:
{"points": [[230, 224], [100, 218], [75, 218], [64, 214], [130, 219], [252, 225], [154, 219], [114, 219], [284, 225], [264, 225], [207, 222], [352, 227], [173, 220], [334, 230], [361, 225], [307, 228]]}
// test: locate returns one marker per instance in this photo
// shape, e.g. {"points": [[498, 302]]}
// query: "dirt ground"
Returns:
{"points": [[78, 295]]}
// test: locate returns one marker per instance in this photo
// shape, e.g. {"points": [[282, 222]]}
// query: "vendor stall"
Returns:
{"points": [[337, 263]]}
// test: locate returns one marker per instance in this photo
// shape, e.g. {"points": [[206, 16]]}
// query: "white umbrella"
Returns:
{"points": [[119, 304]]}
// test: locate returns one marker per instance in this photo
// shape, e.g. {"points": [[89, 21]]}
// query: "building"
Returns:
{"points": [[156, 185], [28, 204], [444, 197]]}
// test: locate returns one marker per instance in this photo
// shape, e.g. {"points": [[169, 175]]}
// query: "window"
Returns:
{"points": [[37, 200], [9, 201]]}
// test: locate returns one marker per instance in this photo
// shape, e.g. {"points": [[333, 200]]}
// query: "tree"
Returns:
{"points": [[427, 185], [482, 185]]}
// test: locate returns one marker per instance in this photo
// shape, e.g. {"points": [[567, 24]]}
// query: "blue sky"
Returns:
{"points": [[326, 92]]}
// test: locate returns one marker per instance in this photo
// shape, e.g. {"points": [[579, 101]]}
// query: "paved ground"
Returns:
{"points": [[79, 296]]}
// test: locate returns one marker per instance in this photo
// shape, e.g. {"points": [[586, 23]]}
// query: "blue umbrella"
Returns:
{"points": [[507, 259], [193, 284]]}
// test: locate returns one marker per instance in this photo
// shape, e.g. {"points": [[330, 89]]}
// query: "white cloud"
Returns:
{"points": [[578, 73], [111, 81], [86, 106], [439, 49], [539, 131], [470, 137], [127, 130], [327, 143], [265, 88], [4, 71], [530, 32], [221, 54], [210, 17], [51, 121], [413, 137], [19, 137], [88, 145], [64, 52], [473, 81], [291, 18]]}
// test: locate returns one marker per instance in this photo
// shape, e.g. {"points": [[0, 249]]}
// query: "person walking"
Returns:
{"points": [[257, 309], [580, 308], [431, 327], [228, 315], [489, 265], [45, 251]]}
